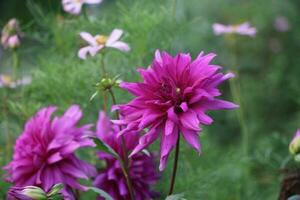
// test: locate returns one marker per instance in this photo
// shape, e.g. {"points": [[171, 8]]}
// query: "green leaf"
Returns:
{"points": [[102, 193], [101, 146], [93, 96], [176, 197], [55, 189]]}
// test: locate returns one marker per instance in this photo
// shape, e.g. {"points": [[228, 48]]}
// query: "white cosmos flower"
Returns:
{"points": [[98, 42], [74, 6]]}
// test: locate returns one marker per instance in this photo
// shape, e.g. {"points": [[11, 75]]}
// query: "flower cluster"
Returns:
{"points": [[10, 36], [172, 100], [141, 170], [44, 152]]}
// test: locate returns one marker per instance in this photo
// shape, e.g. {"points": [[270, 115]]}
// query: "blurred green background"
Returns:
{"points": [[268, 66]]}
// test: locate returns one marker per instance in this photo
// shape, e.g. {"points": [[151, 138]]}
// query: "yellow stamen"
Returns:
{"points": [[101, 39]]}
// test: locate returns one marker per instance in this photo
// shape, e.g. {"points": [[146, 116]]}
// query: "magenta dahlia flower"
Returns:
{"points": [[44, 152], [172, 99], [141, 170]]}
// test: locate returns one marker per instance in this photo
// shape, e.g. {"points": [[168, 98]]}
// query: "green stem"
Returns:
{"points": [[126, 162], [15, 63], [237, 98], [174, 8], [172, 181], [6, 127], [104, 74]]}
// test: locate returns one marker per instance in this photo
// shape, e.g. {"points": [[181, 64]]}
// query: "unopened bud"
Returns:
{"points": [[295, 144]]}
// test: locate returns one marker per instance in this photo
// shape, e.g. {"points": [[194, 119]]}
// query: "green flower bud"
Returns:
{"points": [[34, 192]]}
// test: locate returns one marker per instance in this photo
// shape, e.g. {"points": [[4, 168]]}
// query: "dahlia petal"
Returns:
{"points": [[204, 119], [133, 88], [169, 127], [47, 179], [172, 115], [167, 144], [122, 187], [146, 140], [184, 106], [192, 138], [149, 118], [190, 120], [218, 104], [182, 61], [54, 158], [69, 169], [220, 78], [200, 93]]}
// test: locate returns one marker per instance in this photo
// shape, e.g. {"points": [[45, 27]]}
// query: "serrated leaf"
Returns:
{"points": [[101, 146], [102, 193], [176, 197]]}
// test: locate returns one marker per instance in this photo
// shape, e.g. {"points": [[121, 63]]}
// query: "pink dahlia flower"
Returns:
{"points": [[44, 153], [74, 6], [172, 100], [241, 29], [99, 42], [142, 167], [10, 36], [7, 81]]}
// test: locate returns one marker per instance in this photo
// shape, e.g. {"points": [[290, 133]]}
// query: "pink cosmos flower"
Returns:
{"points": [[7, 81], [172, 100], [99, 42], [281, 24], [142, 167], [295, 144], [10, 36], [44, 152], [241, 29], [74, 6]]}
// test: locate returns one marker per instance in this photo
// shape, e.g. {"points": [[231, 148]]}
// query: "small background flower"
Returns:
{"points": [[74, 6], [11, 33], [98, 42], [7, 81], [241, 29], [281, 24], [142, 167]]}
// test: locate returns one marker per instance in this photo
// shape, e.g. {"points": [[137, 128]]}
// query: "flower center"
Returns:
{"points": [[101, 39], [6, 79], [78, 1]]}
